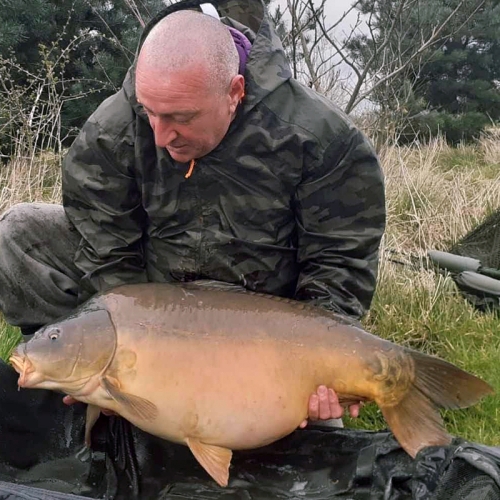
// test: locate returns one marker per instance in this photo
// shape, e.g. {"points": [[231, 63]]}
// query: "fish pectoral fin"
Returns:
{"points": [[93, 413], [140, 407], [214, 459]]}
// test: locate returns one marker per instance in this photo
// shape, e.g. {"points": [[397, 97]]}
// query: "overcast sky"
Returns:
{"points": [[334, 10]]}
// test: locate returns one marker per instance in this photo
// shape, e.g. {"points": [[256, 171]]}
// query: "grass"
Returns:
{"points": [[27, 179], [435, 195], [9, 338]]}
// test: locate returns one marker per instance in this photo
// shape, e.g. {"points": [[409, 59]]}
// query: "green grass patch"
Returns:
{"points": [[461, 157], [466, 158], [9, 338]]}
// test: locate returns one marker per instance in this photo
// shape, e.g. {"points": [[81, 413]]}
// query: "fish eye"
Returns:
{"points": [[54, 334]]}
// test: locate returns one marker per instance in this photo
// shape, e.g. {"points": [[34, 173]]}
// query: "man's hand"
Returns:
{"points": [[69, 400], [325, 405]]}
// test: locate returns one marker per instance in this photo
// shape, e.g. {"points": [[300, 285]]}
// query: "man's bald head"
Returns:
{"points": [[188, 39], [188, 84]]}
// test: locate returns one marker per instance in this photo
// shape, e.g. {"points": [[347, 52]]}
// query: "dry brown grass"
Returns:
{"points": [[490, 146], [436, 194], [30, 179]]}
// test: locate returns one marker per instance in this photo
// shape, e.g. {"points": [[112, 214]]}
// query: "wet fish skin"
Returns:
{"points": [[220, 370]]}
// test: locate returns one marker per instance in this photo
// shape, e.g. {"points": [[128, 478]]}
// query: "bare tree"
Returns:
{"points": [[142, 12], [394, 46], [311, 56], [31, 100]]}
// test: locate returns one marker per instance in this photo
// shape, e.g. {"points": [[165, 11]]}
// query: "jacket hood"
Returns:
{"points": [[267, 66]]}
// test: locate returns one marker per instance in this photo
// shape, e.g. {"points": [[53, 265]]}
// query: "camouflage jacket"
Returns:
{"points": [[291, 202]]}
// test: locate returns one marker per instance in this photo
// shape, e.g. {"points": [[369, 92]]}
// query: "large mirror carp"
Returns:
{"points": [[220, 370]]}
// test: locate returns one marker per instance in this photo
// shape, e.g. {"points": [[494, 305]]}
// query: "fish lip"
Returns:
{"points": [[29, 377], [24, 367], [17, 362]]}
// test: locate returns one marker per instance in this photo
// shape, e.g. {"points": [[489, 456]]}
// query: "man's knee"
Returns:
{"points": [[14, 216], [29, 226], [20, 212], [20, 220], [24, 241]]}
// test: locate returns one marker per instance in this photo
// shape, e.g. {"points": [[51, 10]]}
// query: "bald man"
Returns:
{"points": [[188, 84], [211, 162]]}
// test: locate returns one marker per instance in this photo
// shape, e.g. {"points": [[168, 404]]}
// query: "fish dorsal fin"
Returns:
{"points": [[212, 285], [214, 459], [139, 407], [93, 413]]}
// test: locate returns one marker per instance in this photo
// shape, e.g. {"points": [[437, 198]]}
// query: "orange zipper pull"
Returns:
{"points": [[191, 168]]}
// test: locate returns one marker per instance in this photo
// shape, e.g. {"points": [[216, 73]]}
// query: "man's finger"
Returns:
{"points": [[324, 403], [313, 407], [336, 411], [69, 400], [354, 410]]}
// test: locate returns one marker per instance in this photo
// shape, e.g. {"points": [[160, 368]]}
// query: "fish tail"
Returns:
{"points": [[415, 420]]}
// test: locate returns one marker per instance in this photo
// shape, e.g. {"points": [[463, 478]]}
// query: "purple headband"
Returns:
{"points": [[243, 47]]}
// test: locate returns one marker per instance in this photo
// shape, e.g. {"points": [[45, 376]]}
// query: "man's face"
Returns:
{"points": [[188, 118]]}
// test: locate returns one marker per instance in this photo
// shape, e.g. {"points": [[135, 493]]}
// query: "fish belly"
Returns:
{"points": [[232, 394]]}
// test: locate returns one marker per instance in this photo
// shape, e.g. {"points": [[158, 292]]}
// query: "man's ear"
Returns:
{"points": [[236, 91]]}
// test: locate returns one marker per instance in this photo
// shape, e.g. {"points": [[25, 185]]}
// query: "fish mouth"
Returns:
{"points": [[25, 368]]}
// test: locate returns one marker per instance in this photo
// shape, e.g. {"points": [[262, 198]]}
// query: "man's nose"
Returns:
{"points": [[163, 131]]}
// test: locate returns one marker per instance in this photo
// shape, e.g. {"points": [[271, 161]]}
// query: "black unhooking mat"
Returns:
{"points": [[42, 457]]}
